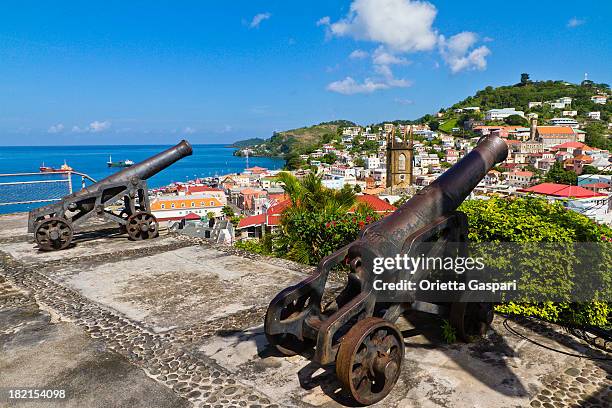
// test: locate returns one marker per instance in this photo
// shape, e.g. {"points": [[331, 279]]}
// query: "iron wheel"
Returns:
{"points": [[471, 319], [53, 234], [141, 226], [370, 359]]}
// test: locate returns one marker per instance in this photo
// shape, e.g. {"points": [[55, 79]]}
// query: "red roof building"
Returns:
{"points": [[562, 190], [272, 217]]}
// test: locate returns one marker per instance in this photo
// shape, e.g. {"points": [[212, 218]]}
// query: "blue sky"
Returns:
{"points": [[214, 72]]}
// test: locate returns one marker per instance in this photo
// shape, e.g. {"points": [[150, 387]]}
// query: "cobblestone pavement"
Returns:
{"points": [[192, 376], [126, 296]]}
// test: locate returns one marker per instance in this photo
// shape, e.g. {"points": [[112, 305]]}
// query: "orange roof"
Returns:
{"points": [[172, 203], [584, 158], [277, 196], [555, 130], [522, 173], [250, 191]]}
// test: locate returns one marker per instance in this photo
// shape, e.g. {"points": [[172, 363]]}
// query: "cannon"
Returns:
{"points": [[355, 327], [121, 197]]}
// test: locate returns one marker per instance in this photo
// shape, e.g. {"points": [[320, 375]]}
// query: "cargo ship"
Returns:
{"points": [[122, 163], [47, 169]]}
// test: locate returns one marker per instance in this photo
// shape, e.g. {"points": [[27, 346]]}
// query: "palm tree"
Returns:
{"points": [[309, 194], [309, 198]]}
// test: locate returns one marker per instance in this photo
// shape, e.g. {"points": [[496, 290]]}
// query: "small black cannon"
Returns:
{"points": [[356, 329], [53, 225]]}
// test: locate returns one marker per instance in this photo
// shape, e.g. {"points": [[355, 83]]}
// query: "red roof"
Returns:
{"points": [[192, 217], [573, 145], [379, 205], [251, 221], [598, 185], [562, 190], [278, 208]]}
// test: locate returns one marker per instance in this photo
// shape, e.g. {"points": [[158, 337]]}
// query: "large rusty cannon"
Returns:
{"points": [[121, 197], [356, 329]]}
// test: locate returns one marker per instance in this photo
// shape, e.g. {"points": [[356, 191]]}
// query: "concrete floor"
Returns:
{"points": [[169, 322]]}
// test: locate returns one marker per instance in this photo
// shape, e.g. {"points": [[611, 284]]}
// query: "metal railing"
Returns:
{"points": [[31, 188]]}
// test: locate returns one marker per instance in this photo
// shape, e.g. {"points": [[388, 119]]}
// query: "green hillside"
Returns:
{"points": [[248, 142], [300, 140], [518, 96]]}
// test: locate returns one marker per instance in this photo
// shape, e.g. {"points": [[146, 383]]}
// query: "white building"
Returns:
{"points": [[372, 162], [556, 105], [570, 113], [351, 131], [596, 115], [534, 104], [519, 178], [343, 171], [500, 114], [599, 99], [564, 122]]}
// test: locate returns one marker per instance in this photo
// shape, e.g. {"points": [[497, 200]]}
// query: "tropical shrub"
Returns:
{"points": [[525, 220]]}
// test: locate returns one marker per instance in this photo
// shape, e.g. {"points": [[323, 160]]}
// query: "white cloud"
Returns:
{"points": [[56, 128], [402, 25], [256, 21], [575, 22], [323, 21], [189, 130], [406, 26], [358, 54], [97, 126], [457, 52], [382, 57], [348, 86], [94, 127]]}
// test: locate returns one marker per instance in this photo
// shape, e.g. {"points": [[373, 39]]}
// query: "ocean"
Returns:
{"points": [[206, 161]]}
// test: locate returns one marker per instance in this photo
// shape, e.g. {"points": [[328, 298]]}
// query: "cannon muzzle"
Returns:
{"points": [[145, 169]]}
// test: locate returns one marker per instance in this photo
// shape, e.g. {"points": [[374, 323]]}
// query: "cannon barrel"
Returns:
{"points": [[144, 169], [440, 198]]}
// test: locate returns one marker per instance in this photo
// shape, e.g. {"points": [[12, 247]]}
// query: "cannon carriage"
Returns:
{"points": [[121, 197], [357, 330]]}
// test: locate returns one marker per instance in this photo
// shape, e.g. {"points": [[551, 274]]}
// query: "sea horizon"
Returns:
{"points": [[208, 160]]}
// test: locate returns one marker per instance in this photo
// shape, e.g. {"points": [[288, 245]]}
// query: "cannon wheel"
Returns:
{"points": [[471, 319], [142, 225], [370, 359], [53, 234], [288, 344]]}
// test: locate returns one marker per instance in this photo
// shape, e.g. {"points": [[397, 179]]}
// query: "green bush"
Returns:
{"points": [[252, 245], [308, 237], [529, 219]]}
